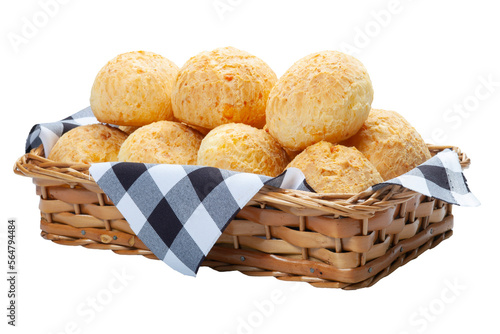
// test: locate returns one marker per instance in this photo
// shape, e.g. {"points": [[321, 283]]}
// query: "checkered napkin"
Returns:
{"points": [[48, 133], [440, 177], [179, 212]]}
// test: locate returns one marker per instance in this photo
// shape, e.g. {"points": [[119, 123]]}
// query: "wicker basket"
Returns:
{"points": [[328, 240]]}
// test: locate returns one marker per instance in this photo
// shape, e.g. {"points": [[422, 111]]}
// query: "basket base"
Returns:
{"points": [[253, 263], [324, 276]]}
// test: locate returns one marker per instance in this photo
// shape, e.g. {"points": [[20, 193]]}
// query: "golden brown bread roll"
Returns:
{"points": [[162, 142], [134, 88], [88, 144], [332, 168], [240, 147], [225, 85], [390, 143], [323, 96]]}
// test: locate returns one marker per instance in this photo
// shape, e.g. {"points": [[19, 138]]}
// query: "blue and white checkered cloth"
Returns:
{"points": [[179, 212]]}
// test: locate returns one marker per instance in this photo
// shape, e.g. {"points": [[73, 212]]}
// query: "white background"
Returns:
{"points": [[427, 59]]}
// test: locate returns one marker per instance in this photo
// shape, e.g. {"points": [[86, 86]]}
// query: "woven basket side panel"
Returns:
{"points": [[372, 250], [74, 215]]}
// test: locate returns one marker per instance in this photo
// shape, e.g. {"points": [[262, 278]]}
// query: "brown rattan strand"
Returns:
{"points": [[362, 205], [289, 269], [33, 164], [346, 241]]}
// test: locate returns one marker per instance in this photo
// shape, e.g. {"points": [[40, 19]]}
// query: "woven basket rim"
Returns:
{"points": [[361, 205]]}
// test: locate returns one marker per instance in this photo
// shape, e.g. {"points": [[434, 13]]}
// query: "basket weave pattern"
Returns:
{"points": [[328, 240]]}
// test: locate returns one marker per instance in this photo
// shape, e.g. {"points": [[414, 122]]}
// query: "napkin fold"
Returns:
{"points": [[179, 211], [48, 133], [440, 177]]}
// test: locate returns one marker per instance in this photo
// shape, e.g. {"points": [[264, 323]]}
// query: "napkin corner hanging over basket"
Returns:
{"points": [[258, 225]]}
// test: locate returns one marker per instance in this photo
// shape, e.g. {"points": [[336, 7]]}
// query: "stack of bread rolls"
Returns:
{"points": [[226, 108]]}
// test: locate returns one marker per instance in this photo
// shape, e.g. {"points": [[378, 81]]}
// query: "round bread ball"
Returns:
{"points": [[389, 141], [240, 147], [330, 168], [223, 86], [323, 96], [134, 89], [88, 144], [163, 142]]}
